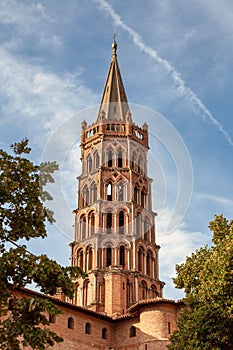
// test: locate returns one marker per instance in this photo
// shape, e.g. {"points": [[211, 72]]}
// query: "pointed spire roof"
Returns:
{"points": [[114, 104]]}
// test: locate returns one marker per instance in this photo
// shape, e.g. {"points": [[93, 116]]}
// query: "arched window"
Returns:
{"points": [[143, 198], [109, 192], [138, 225], [132, 331], [109, 222], [134, 161], [83, 227], [96, 159], [120, 188], [104, 333], [149, 264], [153, 291], [121, 221], [110, 158], [146, 229], [85, 197], [109, 256], [136, 191], [89, 258], [86, 292], [139, 165], [93, 193], [119, 159], [88, 328], [89, 163], [80, 259], [70, 323], [140, 259], [91, 223], [144, 290], [122, 255]]}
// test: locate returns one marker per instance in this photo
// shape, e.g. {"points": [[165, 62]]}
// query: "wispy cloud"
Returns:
{"points": [[220, 200], [40, 96], [181, 85]]}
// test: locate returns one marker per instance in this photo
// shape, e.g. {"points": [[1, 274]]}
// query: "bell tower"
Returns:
{"points": [[114, 241]]}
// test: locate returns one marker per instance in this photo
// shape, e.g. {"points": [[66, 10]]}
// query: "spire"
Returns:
{"points": [[114, 104]]}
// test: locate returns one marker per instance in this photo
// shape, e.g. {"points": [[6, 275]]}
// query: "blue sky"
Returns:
{"points": [[176, 61]]}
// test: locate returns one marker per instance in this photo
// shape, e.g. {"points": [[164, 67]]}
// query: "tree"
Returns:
{"points": [[207, 280], [22, 217]]}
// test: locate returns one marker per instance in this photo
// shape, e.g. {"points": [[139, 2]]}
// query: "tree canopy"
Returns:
{"points": [[207, 280], [23, 216]]}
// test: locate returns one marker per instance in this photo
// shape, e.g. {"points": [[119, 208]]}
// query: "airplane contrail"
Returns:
{"points": [[180, 83]]}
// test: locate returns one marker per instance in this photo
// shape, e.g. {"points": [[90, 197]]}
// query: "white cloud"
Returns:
{"points": [[27, 25], [181, 86], [46, 106], [175, 247], [39, 96]]}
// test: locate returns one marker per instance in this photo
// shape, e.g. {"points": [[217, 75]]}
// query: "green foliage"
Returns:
{"points": [[23, 216], [207, 279]]}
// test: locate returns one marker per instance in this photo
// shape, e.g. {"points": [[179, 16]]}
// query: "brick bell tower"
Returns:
{"points": [[114, 240]]}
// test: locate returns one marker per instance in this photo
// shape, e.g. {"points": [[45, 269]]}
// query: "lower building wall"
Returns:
{"points": [[147, 326]]}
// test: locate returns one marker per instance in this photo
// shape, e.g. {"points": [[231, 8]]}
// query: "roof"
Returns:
{"points": [[114, 105], [133, 311]]}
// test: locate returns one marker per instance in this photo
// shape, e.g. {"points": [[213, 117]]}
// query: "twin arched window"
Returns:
{"points": [[140, 197], [115, 192], [92, 162], [86, 264], [121, 255], [89, 195], [137, 163], [147, 259], [115, 159]]}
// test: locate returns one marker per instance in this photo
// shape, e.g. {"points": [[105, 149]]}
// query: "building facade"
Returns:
{"points": [[120, 304], [114, 223]]}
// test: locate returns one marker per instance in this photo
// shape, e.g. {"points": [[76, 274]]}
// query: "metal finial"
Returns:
{"points": [[114, 35], [114, 45]]}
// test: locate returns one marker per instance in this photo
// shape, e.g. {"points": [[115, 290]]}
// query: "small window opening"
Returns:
{"points": [[169, 327], [70, 323], [132, 332], [120, 192], [121, 222], [110, 158], [119, 159], [122, 255], [104, 333], [109, 256], [88, 328], [109, 222], [109, 192]]}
